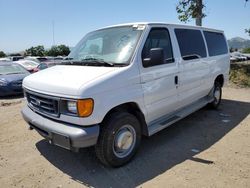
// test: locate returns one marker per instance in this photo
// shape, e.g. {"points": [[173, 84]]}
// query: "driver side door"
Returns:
{"points": [[159, 81]]}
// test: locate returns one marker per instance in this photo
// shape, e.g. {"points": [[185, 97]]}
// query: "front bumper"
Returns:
{"points": [[65, 135]]}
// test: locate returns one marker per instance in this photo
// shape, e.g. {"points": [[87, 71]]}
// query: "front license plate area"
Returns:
{"points": [[61, 140]]}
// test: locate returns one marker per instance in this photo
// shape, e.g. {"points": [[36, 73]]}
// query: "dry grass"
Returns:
{"points": [[240, 74]]}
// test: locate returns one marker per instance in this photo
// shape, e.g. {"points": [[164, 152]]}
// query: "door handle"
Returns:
{"points": [[176, 80]]}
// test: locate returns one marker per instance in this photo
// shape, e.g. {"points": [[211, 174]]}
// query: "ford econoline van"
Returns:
{"points": [[125, 81]]}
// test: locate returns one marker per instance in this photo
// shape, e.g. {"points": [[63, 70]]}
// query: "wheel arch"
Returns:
{"points": [[132, 108], [220, 79]]}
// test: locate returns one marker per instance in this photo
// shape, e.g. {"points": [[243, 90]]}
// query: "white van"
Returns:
{"points": [[125, 81]]}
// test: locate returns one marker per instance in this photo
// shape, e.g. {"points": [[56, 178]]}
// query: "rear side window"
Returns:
{"points": [[191, 43], [216, 43]]}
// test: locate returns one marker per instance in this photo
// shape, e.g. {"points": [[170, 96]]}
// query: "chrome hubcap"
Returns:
{"points": [[124, 141]]}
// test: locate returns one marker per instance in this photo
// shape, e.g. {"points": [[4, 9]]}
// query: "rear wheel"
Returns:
{"points": [[217, 91], [119, 139]]}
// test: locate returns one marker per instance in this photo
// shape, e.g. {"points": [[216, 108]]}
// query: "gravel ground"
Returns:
{"points": [[206, 149]]}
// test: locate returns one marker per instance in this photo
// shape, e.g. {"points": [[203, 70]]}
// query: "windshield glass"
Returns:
{"points": [[11, 69], [114, 45]]}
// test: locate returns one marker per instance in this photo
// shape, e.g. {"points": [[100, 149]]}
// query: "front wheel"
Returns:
{"points": [[217, 91], [119, 139]]}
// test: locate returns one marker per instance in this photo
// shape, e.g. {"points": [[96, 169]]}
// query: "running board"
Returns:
{"points": [[169, 119]]}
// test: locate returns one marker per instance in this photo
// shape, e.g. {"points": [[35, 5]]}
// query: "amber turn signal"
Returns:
{"points": [[85, 107]]}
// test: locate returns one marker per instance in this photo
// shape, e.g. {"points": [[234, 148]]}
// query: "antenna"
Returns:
{"points": [[53, 32], [53, 22]]}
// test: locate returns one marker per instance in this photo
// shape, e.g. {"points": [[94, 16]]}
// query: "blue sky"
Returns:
{"points": [[26, 23]]}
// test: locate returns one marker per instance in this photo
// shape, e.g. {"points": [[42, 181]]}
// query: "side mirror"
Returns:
{"points": [[156, 57]]}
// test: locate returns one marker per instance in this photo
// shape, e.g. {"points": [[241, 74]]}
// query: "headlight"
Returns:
{"points": [[81, 107], [72, 107], [3, 82]]}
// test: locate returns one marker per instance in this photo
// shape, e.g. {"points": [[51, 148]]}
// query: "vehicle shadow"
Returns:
{"points": [[18, 96], [157, 154]]}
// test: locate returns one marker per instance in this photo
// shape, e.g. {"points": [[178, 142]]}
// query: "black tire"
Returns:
{"points": [[217, 92], [105, 147]]}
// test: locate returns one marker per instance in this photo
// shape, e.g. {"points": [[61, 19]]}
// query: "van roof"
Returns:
{"points": [[167, 24]]}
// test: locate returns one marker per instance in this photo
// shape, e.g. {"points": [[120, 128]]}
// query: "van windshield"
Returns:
{"points": [[111, 45]]}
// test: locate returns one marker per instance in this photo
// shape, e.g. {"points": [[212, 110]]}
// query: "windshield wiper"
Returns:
{"points": [[97, 61], [13, 73], [92, 62], [88, 62]]}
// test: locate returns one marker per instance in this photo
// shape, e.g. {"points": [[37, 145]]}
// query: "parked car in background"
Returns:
{"points": [[58, 58], [239, 56], [36, 58], [233, 59], [16, 58], [11, 78], [45, 65], [5, 59], [29, 65], [67, 58], [247, 56]]}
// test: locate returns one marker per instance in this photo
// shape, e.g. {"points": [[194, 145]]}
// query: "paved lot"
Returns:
{"points": [[206, 149]]}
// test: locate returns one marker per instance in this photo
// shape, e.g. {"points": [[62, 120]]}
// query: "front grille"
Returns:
{"points": [[42, 103]]}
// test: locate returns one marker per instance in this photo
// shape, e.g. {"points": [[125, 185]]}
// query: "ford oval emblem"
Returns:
{"points": [[38, 102]]}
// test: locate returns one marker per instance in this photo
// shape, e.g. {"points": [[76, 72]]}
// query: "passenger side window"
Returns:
{"points": [[216, 43], [158, 38], [191, 43]]}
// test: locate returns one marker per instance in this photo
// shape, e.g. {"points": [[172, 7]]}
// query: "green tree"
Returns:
{"points": [[64, 50], [191, 9], [247, 31], [60, 50], [246, 50], [35, 51], [2, 54], [53, 51]]}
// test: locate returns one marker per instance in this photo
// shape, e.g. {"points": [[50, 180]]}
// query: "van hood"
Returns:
{"points": [[64, 80]]}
